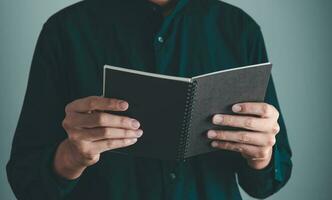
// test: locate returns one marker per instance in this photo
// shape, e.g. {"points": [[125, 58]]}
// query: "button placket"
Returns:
{"points": [[170, 178]]}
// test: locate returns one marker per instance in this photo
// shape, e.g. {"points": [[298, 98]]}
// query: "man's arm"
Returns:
{"points": [[265, 165], [39, 130], [54, 141], [265, 182]]}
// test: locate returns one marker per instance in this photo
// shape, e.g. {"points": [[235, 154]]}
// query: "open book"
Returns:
{"points": [[176, 112]]}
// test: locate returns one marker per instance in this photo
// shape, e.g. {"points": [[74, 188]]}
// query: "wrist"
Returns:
{"points": [[260, 164], [65, 164]]}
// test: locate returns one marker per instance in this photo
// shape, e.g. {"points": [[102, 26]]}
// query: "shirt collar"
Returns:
{"points": [[178, 7]]}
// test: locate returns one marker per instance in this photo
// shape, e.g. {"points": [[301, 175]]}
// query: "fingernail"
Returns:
{"points": [[214, 144], [211, 134], [236, 108], [139, 133], [133, 140], [135, 123], [124, 105], [129, 141], [217, 119]]}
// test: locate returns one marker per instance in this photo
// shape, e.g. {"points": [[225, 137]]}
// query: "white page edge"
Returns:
{"points": [[184, 79]]}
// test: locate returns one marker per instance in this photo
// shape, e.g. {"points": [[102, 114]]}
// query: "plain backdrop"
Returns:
{"points": [[298, 38]]}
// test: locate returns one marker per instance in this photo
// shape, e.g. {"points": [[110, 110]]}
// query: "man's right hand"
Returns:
{"points": [[92, 131]]}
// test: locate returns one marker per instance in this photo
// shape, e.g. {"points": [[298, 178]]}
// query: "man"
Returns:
{"points": [[62, 141]]}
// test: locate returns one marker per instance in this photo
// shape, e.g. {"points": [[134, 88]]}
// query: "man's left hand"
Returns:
{"points": [[260, 121]]}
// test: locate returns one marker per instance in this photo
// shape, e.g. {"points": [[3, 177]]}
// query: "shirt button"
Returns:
{"points": [[160, 39], [172, 176]]}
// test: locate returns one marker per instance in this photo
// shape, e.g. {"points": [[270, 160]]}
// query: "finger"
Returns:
{"points": [[101, 119], [246, 122], [244, 137], [260, 109], [96, 103], [245, 149], [110, 144], [96, 134]]}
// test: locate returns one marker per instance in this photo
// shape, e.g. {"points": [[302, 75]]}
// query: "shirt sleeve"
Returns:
{"points": [[265, 182], [39, 131]]}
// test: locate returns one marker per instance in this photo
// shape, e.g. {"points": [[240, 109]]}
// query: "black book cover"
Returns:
{"points": [[175, 112]]}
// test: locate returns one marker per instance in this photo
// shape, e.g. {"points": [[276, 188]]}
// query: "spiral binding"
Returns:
{"points": [[186, 125]]}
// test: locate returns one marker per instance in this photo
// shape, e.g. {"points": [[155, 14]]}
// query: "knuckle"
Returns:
{"points": [[127, 133], [73, 137], [265, 109], [226, 145], [245, 107], [92, 158], [249, 122], [220, 135], [110, 143], [237, 148], [102, 119], [105, 132], [277, 113], [228, 120], [244, 137], [271, 141], [124, 121], [276, 128], [83, 149], [111, 102], [65, 124], [67, 108], [92, 102], [273, 108]]}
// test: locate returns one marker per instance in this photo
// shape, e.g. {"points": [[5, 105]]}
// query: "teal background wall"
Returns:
{"points": [[298, 37]]}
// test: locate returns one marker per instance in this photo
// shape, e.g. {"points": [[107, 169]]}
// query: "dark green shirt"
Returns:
{"points": [[199, 36]]}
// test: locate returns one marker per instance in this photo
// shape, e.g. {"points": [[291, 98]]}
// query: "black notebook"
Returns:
{"points": [[175, 113]]}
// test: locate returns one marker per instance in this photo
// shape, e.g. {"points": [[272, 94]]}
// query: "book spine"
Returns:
{"points": [[186, 124]]}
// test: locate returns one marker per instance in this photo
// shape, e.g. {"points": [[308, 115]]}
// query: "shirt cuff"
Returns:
{"points": [[271, 172], [57, 184]]}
